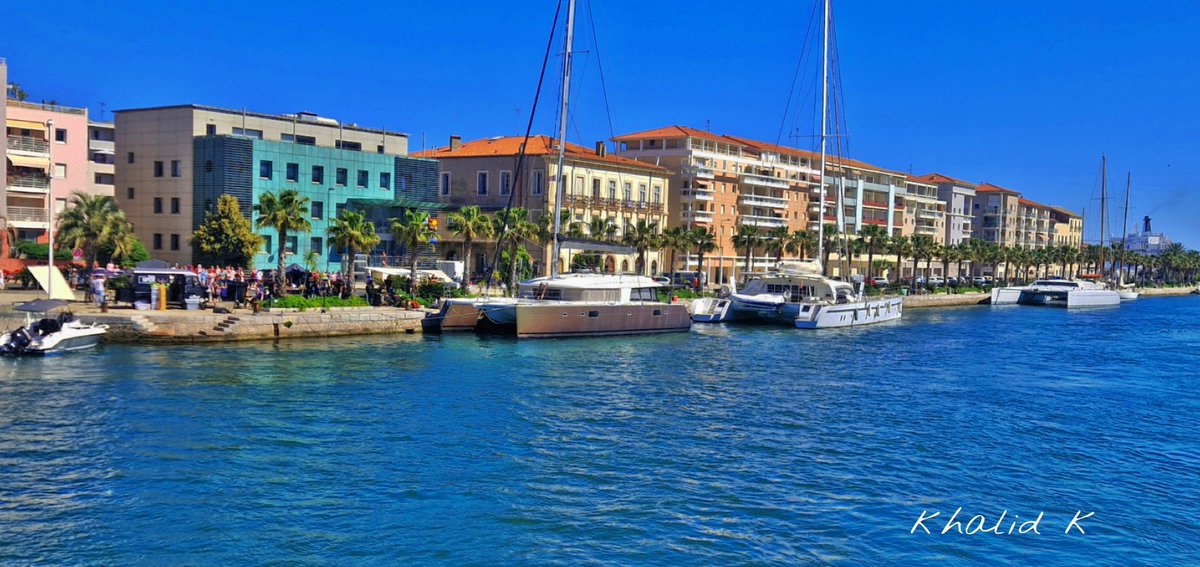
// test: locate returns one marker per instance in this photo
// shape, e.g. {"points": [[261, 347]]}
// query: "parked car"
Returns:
{"points": [[879, 281], [936, 281], [662, 280], [920, 280], [982, 281]]}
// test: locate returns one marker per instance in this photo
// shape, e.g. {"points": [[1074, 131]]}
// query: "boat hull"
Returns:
{"points": [[1128, 295], [549, 320], [852, 314]]}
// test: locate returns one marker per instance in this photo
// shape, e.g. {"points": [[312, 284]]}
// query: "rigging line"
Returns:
{"points": [[795, 76], [524, 145], [600, 66]]}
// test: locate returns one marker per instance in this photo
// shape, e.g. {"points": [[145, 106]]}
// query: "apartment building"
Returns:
{"points": [[1066, 227], [102, 160], [174, 161], [959, 198], [922, 211], [620, 191], [996, 214], [45, 161]]}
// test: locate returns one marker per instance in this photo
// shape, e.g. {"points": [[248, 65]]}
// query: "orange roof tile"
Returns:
{"points": [[990, 188], [538, 146], [670, 132], [936, 178]]}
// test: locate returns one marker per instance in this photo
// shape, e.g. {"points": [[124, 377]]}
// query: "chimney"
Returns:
{"points": [[1146, 224], [601, 149], [455, 142]]}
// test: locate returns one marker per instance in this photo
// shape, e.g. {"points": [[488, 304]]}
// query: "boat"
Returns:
{"points": [[1128, 292], [1058, 292], [45, 334], [580, 304], [797, 293]]}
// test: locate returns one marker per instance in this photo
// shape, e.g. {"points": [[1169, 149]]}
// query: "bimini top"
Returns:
{"points": [[41, 305], [800, 267]]}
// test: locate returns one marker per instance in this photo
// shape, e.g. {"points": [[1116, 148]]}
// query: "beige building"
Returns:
{"points": [[102, 159], [1067, 227], [155, 166], [923, 212], [617, 190]]}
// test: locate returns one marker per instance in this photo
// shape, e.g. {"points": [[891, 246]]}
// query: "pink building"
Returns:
{"points": [[46, 157]]}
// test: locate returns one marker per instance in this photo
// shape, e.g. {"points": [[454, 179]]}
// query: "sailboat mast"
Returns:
{"points": [[1103, 205], [562, 138], [824, 118], [1124, 229]]}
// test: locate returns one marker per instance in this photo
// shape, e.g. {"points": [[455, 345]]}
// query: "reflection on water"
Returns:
{"points": [[723, 445]]}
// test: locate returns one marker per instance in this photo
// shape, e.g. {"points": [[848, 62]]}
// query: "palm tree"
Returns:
{"points": [[776, 241], [922, 247], [514, 227], [747, 238], [704, 241], [873, 237], [675, 238], [831, 239], [642, 236], [411, 232], [469, 223], [600, 229], [901, 246], [285, 213], [92, 222], [802, 242], [353, 233], [947, 254]]}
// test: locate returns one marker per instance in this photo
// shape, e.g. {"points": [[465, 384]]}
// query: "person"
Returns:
{"points": [[1, 279], [98, 288]]}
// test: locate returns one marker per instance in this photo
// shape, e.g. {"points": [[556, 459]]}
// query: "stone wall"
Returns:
{"points": [[184, 327]]}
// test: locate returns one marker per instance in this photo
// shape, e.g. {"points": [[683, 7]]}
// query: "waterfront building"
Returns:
{"points": [[723, 182], [174, 162], [959, 199], [45, 161], [619, 192], [102, 159], [1066, 227]]}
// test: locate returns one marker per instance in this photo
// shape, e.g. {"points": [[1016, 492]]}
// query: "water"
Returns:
{"points": [[723, 445]]}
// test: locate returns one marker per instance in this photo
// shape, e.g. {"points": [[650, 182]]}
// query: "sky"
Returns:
{"points": [[1023, 94]]}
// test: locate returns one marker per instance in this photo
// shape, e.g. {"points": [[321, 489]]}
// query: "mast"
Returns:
{"points": [[1124, 230], [1103, 200], [50, 220], [824, 117], [562, 138]]}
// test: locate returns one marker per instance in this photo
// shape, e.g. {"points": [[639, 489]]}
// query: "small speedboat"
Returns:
{"points": [[47, 333]]}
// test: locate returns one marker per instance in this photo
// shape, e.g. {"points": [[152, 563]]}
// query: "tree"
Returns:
{"points": [[642, 235], [704, 241], [471, 224], [922, 247], [226, 238], [16, 93], [600, 229], [873, 238], [776, 242], [352, 232], [411, 232], [285, 213], [514, 227], [831, 239], [673, 239], [803, 242], [128, 254], [747, 238], [901, 246], [91, 222]]}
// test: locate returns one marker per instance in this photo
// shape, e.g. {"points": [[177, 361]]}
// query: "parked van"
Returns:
{"points": [[687, 279]]}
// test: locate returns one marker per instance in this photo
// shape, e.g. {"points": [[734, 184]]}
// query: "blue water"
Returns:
{"points": [[719, 446]]}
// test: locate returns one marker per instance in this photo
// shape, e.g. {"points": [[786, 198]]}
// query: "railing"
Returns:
{"points": [[30, 182], [928, 214], [868, 186], [697, 194], [28, 144], [762, 201], [27, 214], [770, 222], [697, 216], [45, 106], [764, 181], [875, 204], [878, 222], [699, 171]]}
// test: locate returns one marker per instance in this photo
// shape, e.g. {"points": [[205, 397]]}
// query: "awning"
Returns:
{"points": [[29, 161], [43, 274], [25, 124]]}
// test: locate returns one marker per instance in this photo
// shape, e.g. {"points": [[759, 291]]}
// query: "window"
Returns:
{"points": [[385, 180], [264, 169], [130, 157], [363, 175], [291, 245], [612, 190], [642, 192], [444, 186], [578, 189], [174, 205], [129, 192], [481, 183], [536, 183], [210, 129], [505, 182], [342, 176], [314, 244], [158, 169], [628, 191], [292, 172], [302, 140], [657, 194], [318, 174], [174, 242], [403, 183], [379, 149], [60, 135], [60, 171], [157, 241], [247, 132], [175, 168], [343, 145], [267, 244], [158, 205], [317, 208], [595, 188]]}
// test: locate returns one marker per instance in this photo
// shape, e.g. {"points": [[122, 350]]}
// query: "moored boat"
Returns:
{"points": [[48, 334]]}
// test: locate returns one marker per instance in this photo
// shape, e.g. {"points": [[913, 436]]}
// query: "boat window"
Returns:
{"points": [[658, 313], [593, 314], [599, 295], [643, 294]]}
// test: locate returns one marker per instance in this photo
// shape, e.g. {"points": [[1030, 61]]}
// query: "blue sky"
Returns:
{"points": [[1023, 94]]}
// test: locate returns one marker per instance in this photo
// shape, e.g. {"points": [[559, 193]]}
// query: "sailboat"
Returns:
{"points": [[1127, 291], [581, 304]]}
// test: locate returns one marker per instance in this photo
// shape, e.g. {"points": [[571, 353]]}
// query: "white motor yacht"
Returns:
{"points": [[1057, 292], [46, 334]]}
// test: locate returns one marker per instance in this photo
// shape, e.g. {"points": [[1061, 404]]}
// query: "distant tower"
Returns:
{"points": [[1146, 224]]}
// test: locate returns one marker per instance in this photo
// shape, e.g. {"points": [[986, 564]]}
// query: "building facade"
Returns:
{"points": [[1067, 227], [162, 153], [600, 187], [102, 160], [959, 199], [45, 161]]}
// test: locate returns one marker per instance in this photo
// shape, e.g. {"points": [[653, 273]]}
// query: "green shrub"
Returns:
{"points": [[302, 303]]}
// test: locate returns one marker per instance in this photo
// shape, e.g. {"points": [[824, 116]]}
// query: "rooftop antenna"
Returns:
{"points": [[102, 112]]}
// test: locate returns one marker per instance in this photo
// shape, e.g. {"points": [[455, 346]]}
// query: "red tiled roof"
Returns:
{"points": [[989, 188], [538, 146], [670, 132], [936, 178]]}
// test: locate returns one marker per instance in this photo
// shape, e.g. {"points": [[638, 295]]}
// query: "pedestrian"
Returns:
{"points": [[98, 288]]}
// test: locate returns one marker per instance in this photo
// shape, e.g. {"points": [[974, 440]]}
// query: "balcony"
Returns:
{"points": [[752, 200], [767, 222], [25, 216], [874, 204], [29, 184], [876, 222], [926, 229], [696, 216], [698, 171], [929, 214], [868, 186], [764, 181], [28, 144], [697, 194]]}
